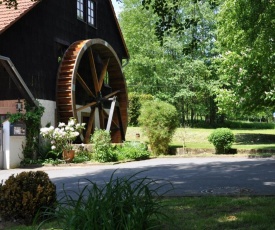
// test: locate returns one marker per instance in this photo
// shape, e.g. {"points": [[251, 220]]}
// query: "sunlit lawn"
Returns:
{"points": [[197, 138], [252, 213]]}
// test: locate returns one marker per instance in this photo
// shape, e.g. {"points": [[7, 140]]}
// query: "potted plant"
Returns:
{"points": [[62, 137]]}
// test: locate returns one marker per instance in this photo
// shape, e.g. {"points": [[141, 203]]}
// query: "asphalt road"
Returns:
{"points": [[189, 176]]}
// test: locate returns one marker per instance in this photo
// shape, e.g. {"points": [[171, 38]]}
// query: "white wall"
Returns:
{"points": [[12, 148], [49, 113]]}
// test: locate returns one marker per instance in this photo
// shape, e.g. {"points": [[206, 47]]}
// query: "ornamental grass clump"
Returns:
{"points": [[132, 202], [63, 136], [222, 139]]}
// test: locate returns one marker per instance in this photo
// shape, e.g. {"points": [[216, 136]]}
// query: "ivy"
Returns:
{"points": [[32, 119]]}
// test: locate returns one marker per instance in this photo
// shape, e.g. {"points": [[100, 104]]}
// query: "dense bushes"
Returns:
{"points": [[23, 195], [104, 151], [135, 103], [159, 121], [248, 125], [132, 150], [222, 139], [102, 146]]}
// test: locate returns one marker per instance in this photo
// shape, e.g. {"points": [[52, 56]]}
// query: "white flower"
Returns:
{"points": [[71, 122], [61, 124], [62, 136]]}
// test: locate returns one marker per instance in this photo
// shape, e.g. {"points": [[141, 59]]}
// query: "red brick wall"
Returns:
{"points": [[8, 106]]}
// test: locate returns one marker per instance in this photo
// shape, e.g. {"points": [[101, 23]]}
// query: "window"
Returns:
{"points": [[86, 11], [91, 13], [80, 9]]}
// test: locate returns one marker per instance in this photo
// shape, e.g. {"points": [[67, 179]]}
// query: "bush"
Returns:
{"points": [[121, 203], [159, 121], [103, 151], [82, 155], [22, 196], [135, 102], [222, 139], [133, 150]]}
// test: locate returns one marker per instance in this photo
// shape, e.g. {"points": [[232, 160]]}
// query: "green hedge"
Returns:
{"points": [[135, 103]]}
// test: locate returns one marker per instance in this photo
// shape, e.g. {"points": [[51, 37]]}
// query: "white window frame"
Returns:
{"points": [[91, 12], [80, 9]]}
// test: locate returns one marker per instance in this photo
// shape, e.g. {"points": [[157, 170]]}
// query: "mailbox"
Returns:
{"points": [[18, 129]]}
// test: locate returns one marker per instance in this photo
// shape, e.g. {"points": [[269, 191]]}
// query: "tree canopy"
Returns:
{"points": [[246, 65]]}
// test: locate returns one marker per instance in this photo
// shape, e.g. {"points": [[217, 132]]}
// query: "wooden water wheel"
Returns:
{"points": [[91, 88]]}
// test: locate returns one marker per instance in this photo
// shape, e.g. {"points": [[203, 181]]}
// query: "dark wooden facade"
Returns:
{"points": [[37, 41]]}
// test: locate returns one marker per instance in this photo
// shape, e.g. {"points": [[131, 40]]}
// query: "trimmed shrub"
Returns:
{"points": [[103, 151], [222, 139], [158, 121], [24, 195]]}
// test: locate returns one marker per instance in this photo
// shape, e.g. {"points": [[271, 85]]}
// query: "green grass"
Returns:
{"points": [[221, 213], [254, 213], [197, 138]]}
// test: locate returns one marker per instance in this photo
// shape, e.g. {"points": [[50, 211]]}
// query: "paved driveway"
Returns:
{"points": [[189, 176]]}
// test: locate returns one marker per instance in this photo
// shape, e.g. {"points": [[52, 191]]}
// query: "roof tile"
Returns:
{"points": [[10, 16]]}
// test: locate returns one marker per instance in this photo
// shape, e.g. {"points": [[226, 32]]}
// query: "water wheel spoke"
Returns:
{"points": [[103, 73], [89, 127], [84, 85], [113, 122], [86, 106], [93, 70], [111, 94]]}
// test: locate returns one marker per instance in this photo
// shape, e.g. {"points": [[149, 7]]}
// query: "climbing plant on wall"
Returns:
{"points": [[31, 118]]}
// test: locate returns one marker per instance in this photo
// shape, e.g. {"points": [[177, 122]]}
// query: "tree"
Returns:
{"points": [[166, 11], [166, 70], [247, 61]]}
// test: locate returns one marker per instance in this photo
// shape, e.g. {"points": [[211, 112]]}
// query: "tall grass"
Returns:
{"points": [[122, 203]]}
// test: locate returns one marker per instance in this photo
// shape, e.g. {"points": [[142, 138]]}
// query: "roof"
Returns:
{"points": [[9, 16]]}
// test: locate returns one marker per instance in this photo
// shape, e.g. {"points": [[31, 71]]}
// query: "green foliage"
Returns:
{"points": [[103, 151], [135, 102], [32, 119], [132, 150], [133, 109], [248, 125], [22, 196], [122, 203], [159, 121], [82, 155], [162, 70], [222, 139], [246, 65]]}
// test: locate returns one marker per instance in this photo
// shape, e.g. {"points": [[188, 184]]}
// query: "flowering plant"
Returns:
{"points": [[63, 136]]}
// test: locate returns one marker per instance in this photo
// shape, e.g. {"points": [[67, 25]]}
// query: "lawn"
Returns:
{"points": [[200, 213], [197, 138], [190, 213]]}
